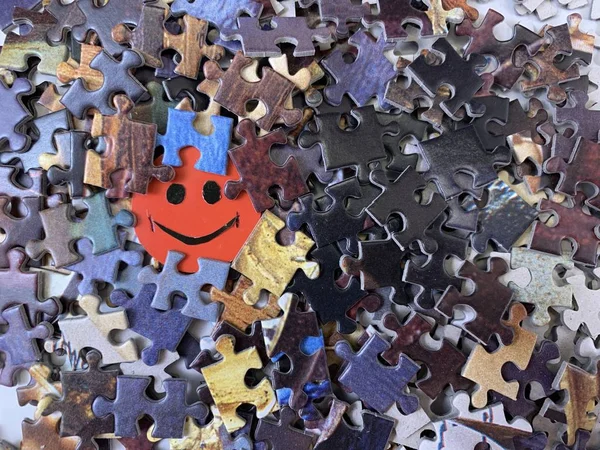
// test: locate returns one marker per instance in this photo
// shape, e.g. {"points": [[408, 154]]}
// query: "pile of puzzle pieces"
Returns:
{"points": [[252, 224]]}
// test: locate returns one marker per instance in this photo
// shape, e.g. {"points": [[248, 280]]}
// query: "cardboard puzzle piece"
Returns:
{"points": [[485, 368], [234, 91], [62, 230], [385, 385], [18, 343], [129, 150], [93, 330], [170, 282], [232, 393], [269, 265]]}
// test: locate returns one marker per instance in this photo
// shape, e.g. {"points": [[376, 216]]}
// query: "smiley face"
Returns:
{"points": [[190, 214]]}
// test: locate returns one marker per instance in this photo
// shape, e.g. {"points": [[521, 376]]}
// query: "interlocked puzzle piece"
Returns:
{"points": [[453, 71], [393, 15], [444, 365], [225, 380], [181, 133], [233, 92], [170, 282], [483, 42], [129, 150], [461, 152], [542, 290], [222, 15], [385, 385], [18, 343], [258, 172], [269, 265], [117, 79], [102, 19], [19, 230], [164, 328], [236, 311], [100, 268], [398, 197], [587, 313], [99, 226], [330, 301], [19, 48], [14, 113], [367, 76], [131, 402], [321, 222], [93, 330], [583, 236], [20, 287], [259, 42], [485, 368], [80, 388], [489, 301], [356, 147], [305, 351], [72, 150]]}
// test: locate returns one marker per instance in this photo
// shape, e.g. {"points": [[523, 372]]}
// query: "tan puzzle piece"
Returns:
{"points": [[43, 434], [485, 368], [583, 390], [202, 122], [225, 380], [94, 329], [191, 46], [41, 389], [439, 16], [269, 265], [237, 312], [69, 71]]}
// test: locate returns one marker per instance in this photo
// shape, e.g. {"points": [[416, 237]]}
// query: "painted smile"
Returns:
{"points": [[190, 240]]}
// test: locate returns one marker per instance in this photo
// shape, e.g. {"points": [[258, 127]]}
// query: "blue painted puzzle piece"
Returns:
{"points": [[181, 133]]}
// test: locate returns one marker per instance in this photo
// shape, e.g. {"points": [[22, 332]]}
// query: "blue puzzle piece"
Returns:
{"points": [[164, 328], [181, 133]]}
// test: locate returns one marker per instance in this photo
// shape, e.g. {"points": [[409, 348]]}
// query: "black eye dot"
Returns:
{"points": [[175, 194], [211, 192]]}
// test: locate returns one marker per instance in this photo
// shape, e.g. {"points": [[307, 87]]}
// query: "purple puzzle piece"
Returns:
{"points": [[19, 230], [11, 182], [18, 343], [20, 287], [131, 403], [364, 78], [13, 113], [384, 385], [100, 268], [164, 328], [261, 42]]}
